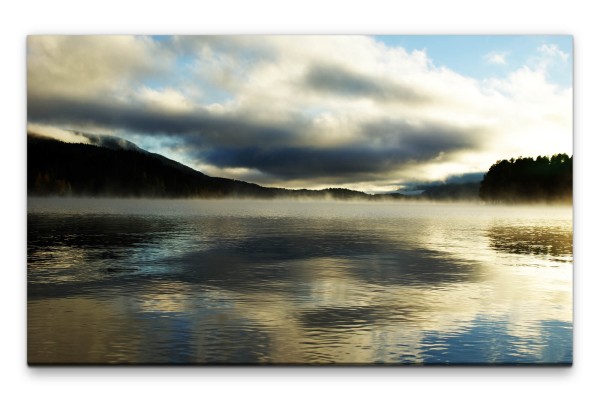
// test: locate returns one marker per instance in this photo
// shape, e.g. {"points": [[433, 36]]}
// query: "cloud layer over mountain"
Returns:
{"points": [[299, 111]]}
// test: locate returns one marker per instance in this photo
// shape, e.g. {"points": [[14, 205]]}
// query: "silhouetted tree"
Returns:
{"points": [[529, 180]]}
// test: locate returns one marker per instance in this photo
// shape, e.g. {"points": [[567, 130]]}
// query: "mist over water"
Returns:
{"points": [[238, 281]]}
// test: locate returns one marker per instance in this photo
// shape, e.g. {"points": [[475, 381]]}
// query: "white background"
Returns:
{"points": [[18, 19]]}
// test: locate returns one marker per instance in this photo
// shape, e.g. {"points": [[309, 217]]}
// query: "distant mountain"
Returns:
{"points": [[451, 191], [117, 168]]}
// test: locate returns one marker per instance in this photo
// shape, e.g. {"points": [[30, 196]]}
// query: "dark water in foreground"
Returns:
{"points": [[125, 281]]}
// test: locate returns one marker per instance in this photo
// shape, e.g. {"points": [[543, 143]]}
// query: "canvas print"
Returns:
{"points": [[299, 200]]}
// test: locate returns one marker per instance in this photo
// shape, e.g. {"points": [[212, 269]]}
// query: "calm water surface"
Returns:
{"points": [[196, 281]]}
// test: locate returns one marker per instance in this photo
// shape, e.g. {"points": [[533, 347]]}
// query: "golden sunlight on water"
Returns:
{"points": [[261, 282]]}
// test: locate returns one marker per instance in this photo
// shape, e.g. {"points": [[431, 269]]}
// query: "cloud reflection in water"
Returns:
{"points": [[286, 285]]}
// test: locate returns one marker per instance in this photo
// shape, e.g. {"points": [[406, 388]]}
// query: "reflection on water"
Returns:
{"points": [[556, 241], [282, 282]]}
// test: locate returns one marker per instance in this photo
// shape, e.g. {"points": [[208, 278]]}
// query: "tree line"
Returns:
{"points": [[525, 179]]}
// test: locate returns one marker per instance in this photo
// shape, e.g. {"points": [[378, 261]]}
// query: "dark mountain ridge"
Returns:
{"points": [[451, 191], [75, 169]]}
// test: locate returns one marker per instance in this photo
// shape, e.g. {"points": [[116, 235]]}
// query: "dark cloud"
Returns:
{"points": [[420, 141], [283, 141], [337, 80], [384, 150], [207, 128], [301, 162], [282, 151]]}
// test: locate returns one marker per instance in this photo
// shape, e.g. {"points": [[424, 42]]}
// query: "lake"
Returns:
{"points": [[297, 282]]}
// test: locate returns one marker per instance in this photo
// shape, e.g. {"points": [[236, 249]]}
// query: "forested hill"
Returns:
{"points": [[529, 180], [58, 168]]}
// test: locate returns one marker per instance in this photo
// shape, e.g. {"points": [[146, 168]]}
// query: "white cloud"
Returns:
{"points": [[496, 58], [57, 133], [552, 50], [549, 57], [88, 66], [168, 99]]}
